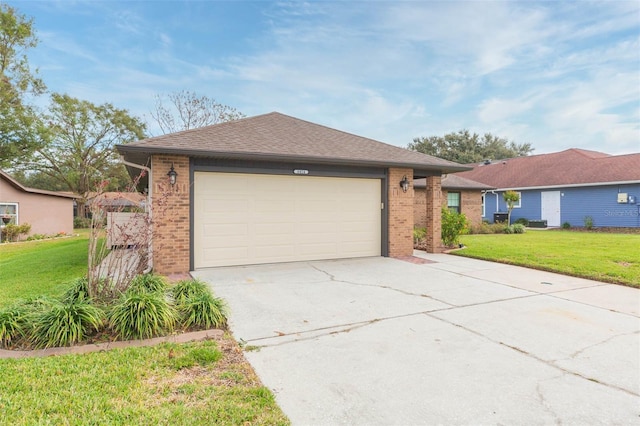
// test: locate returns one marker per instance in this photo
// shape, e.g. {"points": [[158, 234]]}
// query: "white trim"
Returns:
{"points": [[16, 214], [575, 185], [519, 205]]}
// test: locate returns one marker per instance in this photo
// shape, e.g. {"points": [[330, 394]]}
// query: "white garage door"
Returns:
{"points": [[245, 219]]}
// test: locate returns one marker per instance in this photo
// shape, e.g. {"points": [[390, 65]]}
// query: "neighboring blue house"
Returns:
{"points": [[565, 187]]}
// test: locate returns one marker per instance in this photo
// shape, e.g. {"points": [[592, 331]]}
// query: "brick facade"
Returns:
{"points": [[433, 219], [470, 200], [170, 221], [400, 213]]}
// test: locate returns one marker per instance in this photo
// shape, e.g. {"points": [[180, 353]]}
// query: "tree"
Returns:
{"points": [[19, 125], [187, 110], [79, 150], [511, 198], [463, 147]]}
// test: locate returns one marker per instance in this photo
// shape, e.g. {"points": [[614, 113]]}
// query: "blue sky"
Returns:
{"points": [[557, 75]]}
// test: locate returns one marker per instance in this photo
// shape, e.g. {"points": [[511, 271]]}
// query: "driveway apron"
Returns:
{"points": [[436, 339]]}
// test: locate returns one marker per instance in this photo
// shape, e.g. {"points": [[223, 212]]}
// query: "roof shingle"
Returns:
{"points": [[569, 167], [279, 137]]}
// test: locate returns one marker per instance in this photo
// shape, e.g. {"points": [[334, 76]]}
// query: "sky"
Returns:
{"points": [[557, 75]]}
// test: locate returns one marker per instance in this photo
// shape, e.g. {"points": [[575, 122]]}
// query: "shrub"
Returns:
{"points": [[588, 222], [516, 228], [453, 225], [81, 222], [12, 232], [488, 228], [142, 315], [12, 324], [419, 233], [523, 221], [63, 324], [147, 283], [566, 225], [203, 310]]}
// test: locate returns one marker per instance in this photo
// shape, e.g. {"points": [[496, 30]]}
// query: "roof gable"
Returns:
{"points": [[279, 137], [20, 187], [569, 167]]}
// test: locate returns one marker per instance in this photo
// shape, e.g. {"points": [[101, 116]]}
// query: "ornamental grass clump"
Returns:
{"points": [[77, 291], [147, 283], [197, 305], [63, 324], [13, 324], [142, 315], [203, 310], [187, 288]]}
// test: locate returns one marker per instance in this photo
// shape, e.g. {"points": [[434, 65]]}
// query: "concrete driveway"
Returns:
{"points": [[447, 340]]}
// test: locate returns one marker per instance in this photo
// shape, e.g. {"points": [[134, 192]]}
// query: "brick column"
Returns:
{"points": [[400, 213], [170, 210], [434, 214]]}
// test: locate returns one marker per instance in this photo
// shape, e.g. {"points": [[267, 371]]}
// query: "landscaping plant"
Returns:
{"points": [[12, 232], [63, 324], [453, 225], [12, 324], [419, 234], [203, 310], [149, 283], [77, 291], [184, 289], [588, 222], [197, 305], [142, 315], [511, 198]]}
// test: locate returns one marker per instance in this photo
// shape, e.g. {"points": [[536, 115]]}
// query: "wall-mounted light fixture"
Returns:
{"points": [[404, 183], [173, 176]]}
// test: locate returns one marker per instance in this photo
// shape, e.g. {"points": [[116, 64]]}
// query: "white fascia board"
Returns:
{"points": [[575, 185]]}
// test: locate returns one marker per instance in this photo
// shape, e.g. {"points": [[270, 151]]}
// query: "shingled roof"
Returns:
{"points": [[4, 175], [565, 168], [453, 181], [279, 137]]}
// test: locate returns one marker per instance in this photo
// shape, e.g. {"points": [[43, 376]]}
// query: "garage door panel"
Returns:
{"points": [[269, 206], [211, 230], [272, 228], [224, 205], [226, 254], [249, 218]]}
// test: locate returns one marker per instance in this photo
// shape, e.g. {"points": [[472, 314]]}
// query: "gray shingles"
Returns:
{"points": [[280, 137]]}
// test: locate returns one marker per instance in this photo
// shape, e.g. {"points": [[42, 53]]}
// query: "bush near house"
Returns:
{"points": [[12, 232], [453, 225]]}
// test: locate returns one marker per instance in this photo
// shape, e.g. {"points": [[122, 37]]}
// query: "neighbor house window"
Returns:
{"points": [[453, 201], [9, 213], [483, 207], [519, 203]]}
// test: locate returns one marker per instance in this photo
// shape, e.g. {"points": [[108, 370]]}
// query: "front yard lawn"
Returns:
{"points": [[42, 267], [206, 382], [607, 257], [171, 384]]}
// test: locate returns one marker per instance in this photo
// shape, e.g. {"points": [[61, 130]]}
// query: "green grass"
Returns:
{"points": [[43, 267], [604, 257], [169, 384]]}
